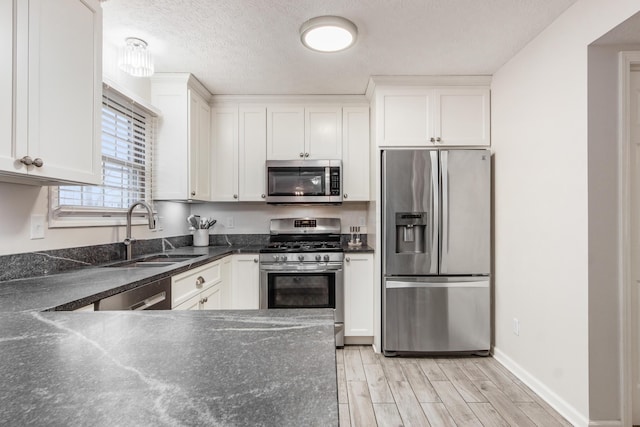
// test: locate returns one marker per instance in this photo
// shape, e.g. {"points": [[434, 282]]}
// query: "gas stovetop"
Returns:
{"points": [[303, 246]]}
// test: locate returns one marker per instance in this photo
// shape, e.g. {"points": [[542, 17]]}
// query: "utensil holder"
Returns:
{"points": [[201, 237]]}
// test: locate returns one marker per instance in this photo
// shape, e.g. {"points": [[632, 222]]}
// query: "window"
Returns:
{"points": [[127, 141]]}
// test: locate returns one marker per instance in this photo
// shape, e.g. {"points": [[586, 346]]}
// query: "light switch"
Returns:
{"points": [[37, 227]]}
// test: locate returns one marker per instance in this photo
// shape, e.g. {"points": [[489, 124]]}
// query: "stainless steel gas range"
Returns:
{"points": [[301, 267]]}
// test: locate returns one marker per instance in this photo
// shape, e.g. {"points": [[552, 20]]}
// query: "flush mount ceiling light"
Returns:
{"points": [[328, 33], [135, 58]]}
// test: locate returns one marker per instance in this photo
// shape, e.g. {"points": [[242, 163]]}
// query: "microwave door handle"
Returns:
{"points": [[327, 181]]}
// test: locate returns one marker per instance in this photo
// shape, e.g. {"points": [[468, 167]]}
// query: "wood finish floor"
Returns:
{"points": [[466, 391]]}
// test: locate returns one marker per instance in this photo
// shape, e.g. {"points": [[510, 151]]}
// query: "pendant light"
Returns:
{"points": [[135, 58]]}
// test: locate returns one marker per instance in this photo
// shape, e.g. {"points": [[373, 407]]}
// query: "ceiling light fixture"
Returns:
{"points": [[135, 58], [328, 33]]}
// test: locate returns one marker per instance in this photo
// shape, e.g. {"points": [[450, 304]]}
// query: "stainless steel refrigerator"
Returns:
{"points": [[436, 209]]}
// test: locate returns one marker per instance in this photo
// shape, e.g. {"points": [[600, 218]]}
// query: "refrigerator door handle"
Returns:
{"points": [[444, 221], [435, 209], [391, 284]]}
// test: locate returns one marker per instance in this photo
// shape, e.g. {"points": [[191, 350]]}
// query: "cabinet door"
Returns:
{"points": [[7, 79], [192, 303], [358, 289], [245, 285], [199, 152], [224, 155], [285, 133], [405, 118], [64, 89], [212, 298], [462, 117], [355, 154], [323, 133], [253, 153]]}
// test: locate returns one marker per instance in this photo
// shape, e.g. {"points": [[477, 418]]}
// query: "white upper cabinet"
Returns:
{"points": [[355, 154], [50, 122], [312, 132], [181, 157], [456, 116], [253, 154], [462, 117], [224, 154], [238, 153], [323, 133]]}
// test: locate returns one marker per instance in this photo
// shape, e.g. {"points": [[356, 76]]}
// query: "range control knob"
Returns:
{"points": [[326, 258], [284, 258], [300, 258], [276, 258], [318, 258]]}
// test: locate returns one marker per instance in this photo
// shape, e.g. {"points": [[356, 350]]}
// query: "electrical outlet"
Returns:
{"points": [[37, 227], [516, 327], [230, 222], [361, 221]]}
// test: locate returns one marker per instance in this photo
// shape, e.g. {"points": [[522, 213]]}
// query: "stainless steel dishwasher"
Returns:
{"points": [[152, 296]]}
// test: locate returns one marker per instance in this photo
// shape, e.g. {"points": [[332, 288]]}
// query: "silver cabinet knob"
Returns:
{"points": [[193, 193], [438, 139], [345, 195], [347, 259], [301, 154], [235, 196], [255, 260], [26, 160], [432, 139], [37, 162], [264, 196], [199, 282], [306, 154]]}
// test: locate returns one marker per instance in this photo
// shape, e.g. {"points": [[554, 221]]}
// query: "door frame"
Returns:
{"points": [[627, 59]]}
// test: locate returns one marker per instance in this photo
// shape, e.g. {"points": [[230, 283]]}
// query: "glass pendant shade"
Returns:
{"points": [[135, 58]]}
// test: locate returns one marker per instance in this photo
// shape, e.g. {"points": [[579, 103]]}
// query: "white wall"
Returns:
{"points": [[253, 218], [539, 137], [19, 202]]}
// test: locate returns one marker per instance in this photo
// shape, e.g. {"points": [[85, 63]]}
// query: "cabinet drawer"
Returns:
{"points": [[192, 282]]}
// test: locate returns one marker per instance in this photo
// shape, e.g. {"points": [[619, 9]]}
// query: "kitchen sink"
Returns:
{"points": [[154, 261]]}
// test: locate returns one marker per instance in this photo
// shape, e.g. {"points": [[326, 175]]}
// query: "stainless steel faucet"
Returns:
{"points": [[152, 224]]}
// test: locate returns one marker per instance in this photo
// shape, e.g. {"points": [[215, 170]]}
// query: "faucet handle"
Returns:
{"points": [[153, 221]]}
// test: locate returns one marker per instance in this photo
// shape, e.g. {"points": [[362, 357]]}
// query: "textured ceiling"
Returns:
{"points": [[253, 46]]}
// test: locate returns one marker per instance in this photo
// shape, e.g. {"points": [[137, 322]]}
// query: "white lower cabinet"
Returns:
{"points": [[245, 291], [358, 295], [202, 288]]}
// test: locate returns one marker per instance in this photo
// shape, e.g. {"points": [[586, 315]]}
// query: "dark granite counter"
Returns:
{"points": [[154, 368], [205, 368], [358, 249]]}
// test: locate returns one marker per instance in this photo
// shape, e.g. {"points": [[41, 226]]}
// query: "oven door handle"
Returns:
{"points": [[293, 270]]}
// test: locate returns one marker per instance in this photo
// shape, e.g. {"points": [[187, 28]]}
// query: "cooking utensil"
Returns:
{"points": [[191, 219]]}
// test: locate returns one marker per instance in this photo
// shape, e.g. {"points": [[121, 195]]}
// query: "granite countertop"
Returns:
{"points": [[154, 368], [358, 249], [173, 368]]}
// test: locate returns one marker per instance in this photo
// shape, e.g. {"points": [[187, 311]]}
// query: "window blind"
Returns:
{"points": [[127, 148]]}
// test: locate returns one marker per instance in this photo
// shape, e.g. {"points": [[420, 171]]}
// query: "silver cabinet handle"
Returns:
{"points": [[193, 193], [438, 139], [205, 300], [255, 260], [347, 259], [432, 139], [235, 196], [301, 154], [37, 162], [199, 282], [306, 154], [345, 195], [26, 160], [264, 196]]}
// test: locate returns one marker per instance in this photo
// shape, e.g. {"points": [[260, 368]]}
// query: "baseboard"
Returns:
{"points": [[358, 340], [617, 423], [556, 402]]}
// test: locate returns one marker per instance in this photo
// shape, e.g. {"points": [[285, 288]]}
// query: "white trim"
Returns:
{"points": [[350, 100], [425, 81], [626, 59], [615, 423], [150, 109], [554, 400]]}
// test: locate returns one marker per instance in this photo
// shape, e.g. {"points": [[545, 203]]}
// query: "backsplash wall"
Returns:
{"points": [[254, 217]]}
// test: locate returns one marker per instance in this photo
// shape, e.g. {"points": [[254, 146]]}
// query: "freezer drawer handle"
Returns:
{"points": [[398, 285]]}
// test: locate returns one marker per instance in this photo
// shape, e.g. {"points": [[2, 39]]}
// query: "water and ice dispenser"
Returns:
{"points": [[411, 232]]}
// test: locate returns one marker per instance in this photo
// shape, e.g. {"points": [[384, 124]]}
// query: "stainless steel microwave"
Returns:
{"points": [[304, 181]]}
